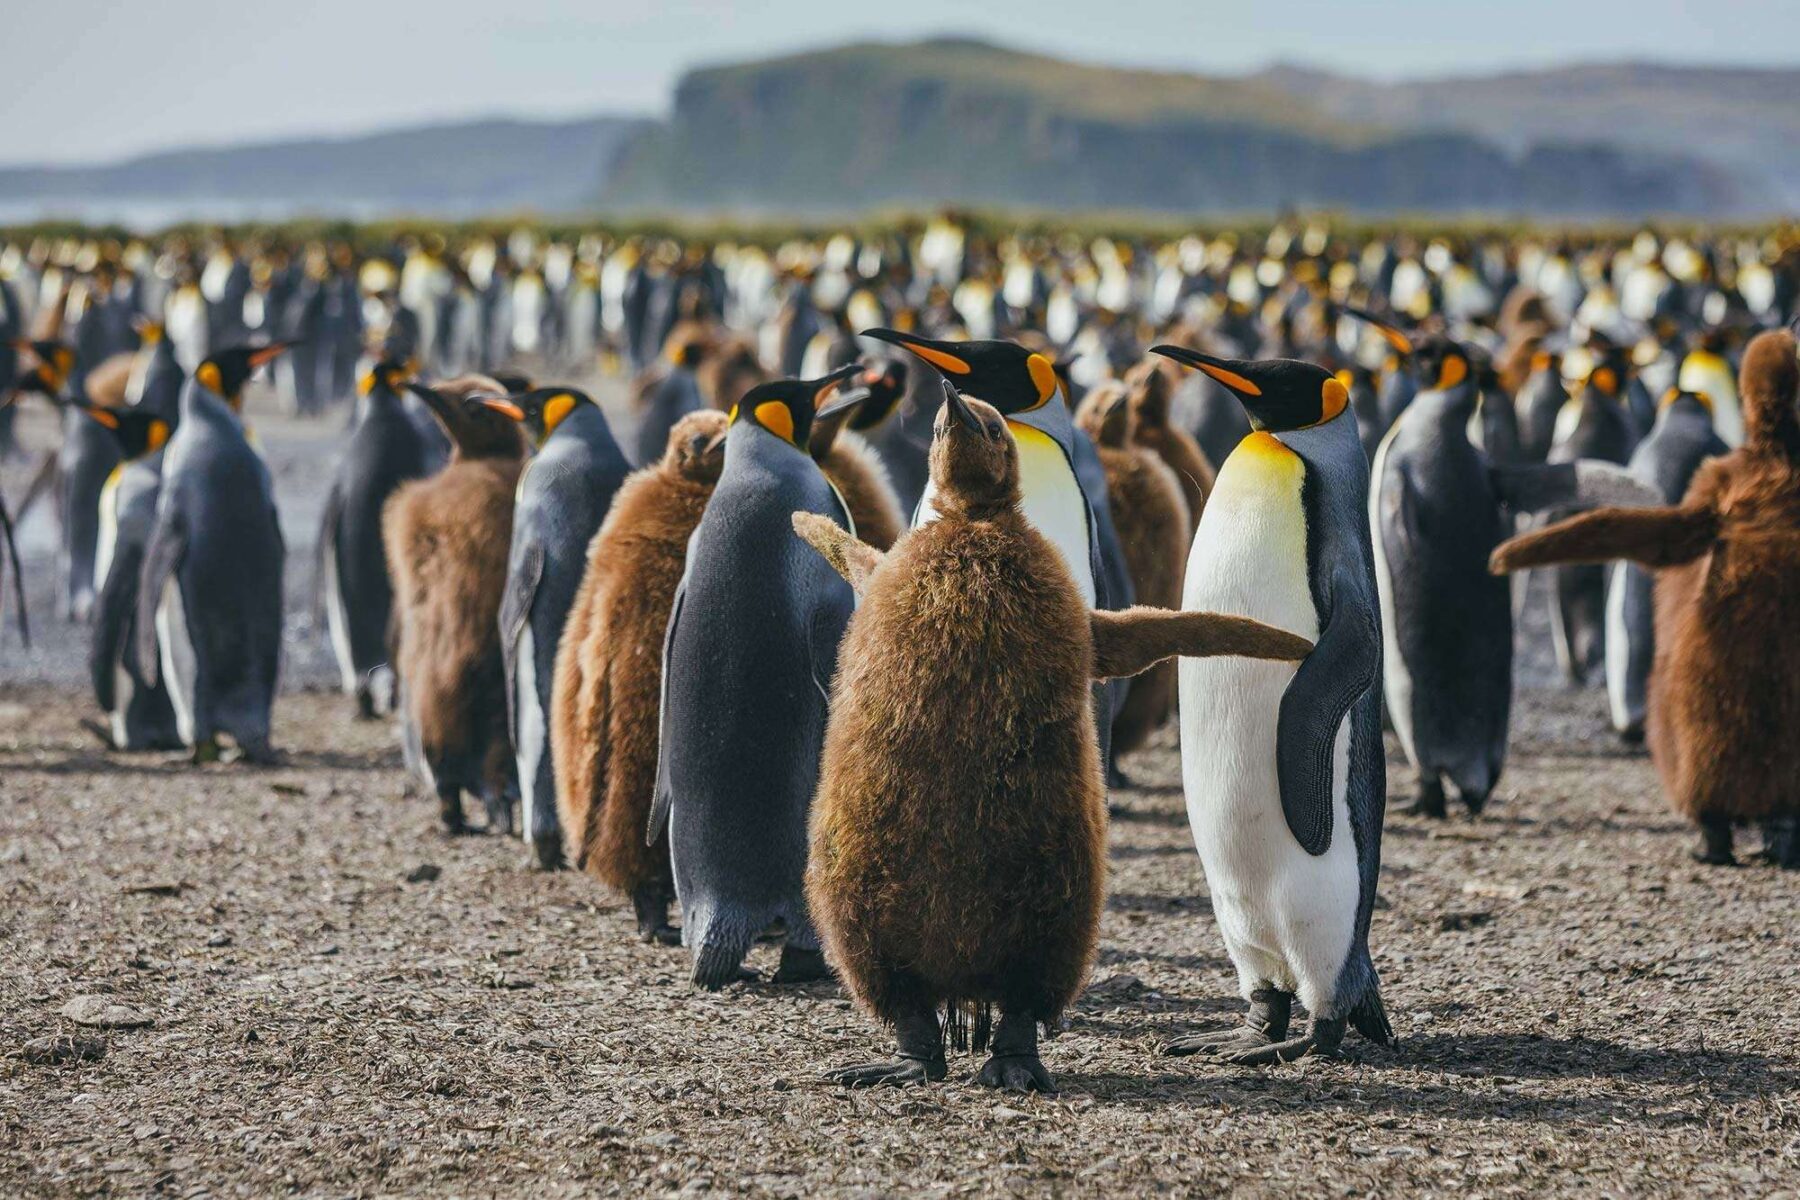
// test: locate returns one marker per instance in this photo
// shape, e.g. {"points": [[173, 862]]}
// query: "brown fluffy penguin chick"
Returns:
{"points": [[1148, 387], [958, 853], [447, 538], [1152, 520], [1724, 696], [608, 684], [861, 479]]}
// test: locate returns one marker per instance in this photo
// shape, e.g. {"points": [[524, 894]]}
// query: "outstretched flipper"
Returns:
{"points": [[1342, 667], [515, 610], [18, 574], [1653, 537], [168, 542], [854, 560], [1131, 642], [1585, 483]]}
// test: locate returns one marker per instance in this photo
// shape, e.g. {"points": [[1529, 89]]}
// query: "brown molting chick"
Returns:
{"points": [[1154, 531], [728, 371], [861, 479], [1724, 696], [446, 539], [608, 685], [1149, 386], [958, 846]]}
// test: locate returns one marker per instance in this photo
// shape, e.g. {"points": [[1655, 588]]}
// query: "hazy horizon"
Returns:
{"points": [[559, 59]]}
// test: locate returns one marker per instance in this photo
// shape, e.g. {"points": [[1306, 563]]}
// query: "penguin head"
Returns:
{"points": [[1008, 376], [1611, 367], [138, 432], [1769, 388], [55, 361], [1441, 364], [1149, 389], [1680, 400], [887, 387], [149, 329], [225, 372], [477, 430], [388, 374], [974, 460], [697, 446], [513, 381], [786, 408], [1278, 394], [539, 410], [1105, 414]]}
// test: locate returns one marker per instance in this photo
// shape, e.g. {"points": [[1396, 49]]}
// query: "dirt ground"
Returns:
{"points": [[331, 998]]}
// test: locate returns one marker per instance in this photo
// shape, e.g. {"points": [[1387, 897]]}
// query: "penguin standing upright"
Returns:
{"points": [[87, 458], [563, 497], [1539, 401], [386, 449], [1153, 533], [751, 649], [959, 851], [1592, 425], [1284, 769], [209, 609], [140, 715], [1678, 443], [446, 538], [603, 729], [1062, 486], [665, 393], [1725, 685]]}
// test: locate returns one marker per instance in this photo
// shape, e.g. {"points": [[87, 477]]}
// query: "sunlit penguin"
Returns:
{"points": [[563, 497], [1284, 769]]}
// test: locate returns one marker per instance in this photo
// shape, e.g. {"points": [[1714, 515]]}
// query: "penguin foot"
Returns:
{"points": [[1016, 1073], [1321, 1041], [1781, 843], [800, 965], [205, 752], [100, 732], [1715, 843], [365, 705], [450, 812], [900, 1072], [500, 815], [1228, 1041], [1428, 803], [1631, 735], [547, 852], [652, 907]]}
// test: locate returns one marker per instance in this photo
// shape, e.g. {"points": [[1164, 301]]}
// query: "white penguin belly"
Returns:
{"points": [[1618, 650], [1287, 917], [1051, 499], [532, 732]]}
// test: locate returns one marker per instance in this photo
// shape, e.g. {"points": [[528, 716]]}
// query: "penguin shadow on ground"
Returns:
{"points": [[1154, 902], [1125, 853], [1615, 1077], [384, 759]]}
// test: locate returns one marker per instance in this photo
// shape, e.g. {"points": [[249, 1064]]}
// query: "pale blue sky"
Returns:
{"points": [[89, 79]]}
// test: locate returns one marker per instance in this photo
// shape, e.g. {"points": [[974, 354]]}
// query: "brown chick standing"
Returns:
{"points": [[1148, 389]]}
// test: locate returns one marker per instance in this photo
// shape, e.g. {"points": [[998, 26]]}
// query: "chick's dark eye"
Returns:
{"points": [[993, 432]]}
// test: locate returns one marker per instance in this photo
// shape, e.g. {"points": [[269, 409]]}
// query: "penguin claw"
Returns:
{"points": [[898, 1073], [662, 935], [1218, 1041], [1016, 1073], [1271, 1053]]}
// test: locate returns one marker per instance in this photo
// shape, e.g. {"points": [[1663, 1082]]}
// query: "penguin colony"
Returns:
{"points": [[839, 639]]}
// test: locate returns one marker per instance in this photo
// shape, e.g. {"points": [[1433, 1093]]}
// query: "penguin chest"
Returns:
{"points": [[1050, 497], [1287, 916]]}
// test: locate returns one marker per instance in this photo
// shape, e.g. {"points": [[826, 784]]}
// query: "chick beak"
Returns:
{"points": [[959, 408]]}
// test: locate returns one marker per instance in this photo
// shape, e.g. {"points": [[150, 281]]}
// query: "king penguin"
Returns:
{"points": [[1682, 439], [1062, 485], [1283, 768], [563, 496], [209, 610], [140, 715], [749, 657], [386, 449]]}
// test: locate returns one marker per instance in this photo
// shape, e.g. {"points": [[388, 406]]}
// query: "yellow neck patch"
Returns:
{"points": [[210, 379], [774, 416]]}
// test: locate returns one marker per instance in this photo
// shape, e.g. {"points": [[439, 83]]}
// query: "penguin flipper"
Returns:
{"points": [[168, 542], [324, 548], [1652, 537], [1130, 642], [1584, 483], [515, 610], [853, 559], [112, 621], [663, 797], [12, 551], [1343, 666]]}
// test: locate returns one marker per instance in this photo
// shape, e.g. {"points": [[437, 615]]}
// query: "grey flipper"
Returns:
{"points": [[1584, 483], [113, 614], [325, 551], [1342, 667], [662, 798], [168, 542], [515, 610]]}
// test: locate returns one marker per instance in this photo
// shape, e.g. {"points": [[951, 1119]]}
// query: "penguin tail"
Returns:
{"points": [[718, 962], [1371, 1020]]}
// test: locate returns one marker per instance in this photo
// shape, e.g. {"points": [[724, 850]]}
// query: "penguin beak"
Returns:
{"points": [[1393, 336], [823, 387], [959, 408], [942, 355], [268, 354], [842, 403], [1118, 402], [504, 405], [1219, 369]]}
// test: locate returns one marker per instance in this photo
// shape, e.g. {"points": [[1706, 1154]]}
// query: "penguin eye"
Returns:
{"points": [[993, 431]]}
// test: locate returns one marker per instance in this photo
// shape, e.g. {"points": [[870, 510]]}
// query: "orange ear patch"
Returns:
{"points": [[159, 435], [556, 409], [1454, 370], [774, 416], [1231, 379], [1043, 376], [105, 418], [1334, 398], [1606, 379], [210, 379]]}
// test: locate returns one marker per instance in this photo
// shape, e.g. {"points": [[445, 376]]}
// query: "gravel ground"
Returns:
{"points": [[313, 991]]}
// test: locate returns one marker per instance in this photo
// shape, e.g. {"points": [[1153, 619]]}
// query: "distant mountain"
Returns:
{"points": [[451, 169], [1746, 120], [953, 120]]}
